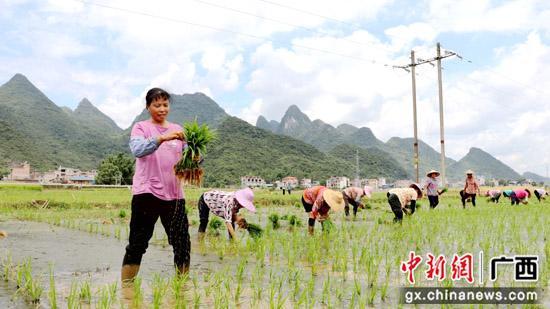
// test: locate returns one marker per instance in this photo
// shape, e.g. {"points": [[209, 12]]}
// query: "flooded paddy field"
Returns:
{"points": [[69, 253]]}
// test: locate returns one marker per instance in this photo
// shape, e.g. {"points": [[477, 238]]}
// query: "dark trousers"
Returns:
{"points": [[395, 206], [146, 209], [204, 213], [353, 203], [514, 199], [464, 196], [434, 200], [495, 198], [537, 194]]}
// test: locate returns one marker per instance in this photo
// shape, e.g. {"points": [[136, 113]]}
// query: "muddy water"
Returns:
{"points": [[79, 256]]}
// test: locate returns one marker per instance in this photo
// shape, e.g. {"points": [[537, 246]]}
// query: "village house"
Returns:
{"points": [[290, 180], [20, 172], [338, 182], [373, 183], [305, 183], [67, 175], [402, 183], [252, 181]]}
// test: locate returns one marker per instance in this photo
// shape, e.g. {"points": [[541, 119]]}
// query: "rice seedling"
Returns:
{"points": [[198, 137], [72, 298], [159, 290], [138, 293], [214, 226], [254, 230], [52, 293], [274, 218], [85, 293], [105, 299]]}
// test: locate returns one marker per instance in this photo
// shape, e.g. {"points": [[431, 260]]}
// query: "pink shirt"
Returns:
{"points": [[521, 194], [471, 186], [155, 172]]}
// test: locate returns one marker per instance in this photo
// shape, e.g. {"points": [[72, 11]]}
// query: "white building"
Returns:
{"points": [[338, 182], [252, 181], [305, 183], [381, 181], [402, 183], [20, 172]]}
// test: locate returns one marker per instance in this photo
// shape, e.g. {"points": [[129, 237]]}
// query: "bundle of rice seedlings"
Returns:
{"points": [[214, 225], [444, 190], [294, 221], [328, 226], [198, 137], [254, 230], [274, 218]]}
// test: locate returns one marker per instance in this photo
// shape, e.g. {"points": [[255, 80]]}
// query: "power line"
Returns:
{"points": [[496, 73], [385, 49], [257, 37]]}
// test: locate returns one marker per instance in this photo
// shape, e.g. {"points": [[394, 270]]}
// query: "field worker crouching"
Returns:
{"points": [[404, 200], [520, 195], [471, 188], [318, 201], [225, 205], [353, 195], [540, 194], [493, 195]]}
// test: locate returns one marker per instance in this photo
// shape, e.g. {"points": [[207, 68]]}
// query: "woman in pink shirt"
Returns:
{"points": [[471, 188], [520, 195], [157, 145]]}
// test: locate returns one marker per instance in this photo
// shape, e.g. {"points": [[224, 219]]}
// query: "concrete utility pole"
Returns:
{"points": [[357, 179], [412, 67], [441, 127], [416, 157]]}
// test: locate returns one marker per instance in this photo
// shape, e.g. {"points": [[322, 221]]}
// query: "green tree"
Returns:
{"points": [[116, 168], [4, 171]]}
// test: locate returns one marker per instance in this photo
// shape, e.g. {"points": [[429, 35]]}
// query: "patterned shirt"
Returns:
{"points": [[405, 195], [493, 193], [471, 186], [222, 204], [354, 194], [314, 196], [431, 187]]}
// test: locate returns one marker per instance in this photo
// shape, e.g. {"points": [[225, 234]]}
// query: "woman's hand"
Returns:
{"points": [[171, 136]]}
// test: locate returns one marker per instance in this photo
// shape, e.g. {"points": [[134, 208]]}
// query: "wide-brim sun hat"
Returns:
{"points": [[469, 172], [245, 197], [368, 191], [416, 187], [433, 172], [334, 199]]}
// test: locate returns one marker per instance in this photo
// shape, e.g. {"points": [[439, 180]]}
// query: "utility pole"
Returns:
{"points": [[441, 128], [412, 67], [416, 157], [438, 58], [357, 181]]}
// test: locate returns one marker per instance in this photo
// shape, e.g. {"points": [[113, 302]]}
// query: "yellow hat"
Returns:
{"points": [[468, 172], [334, 199]]}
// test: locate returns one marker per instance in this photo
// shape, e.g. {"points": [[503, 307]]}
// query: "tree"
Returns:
{"points": [[4, 171], [116, 168]]}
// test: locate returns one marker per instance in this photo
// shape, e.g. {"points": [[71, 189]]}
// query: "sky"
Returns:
{"points": [[333, 59]]}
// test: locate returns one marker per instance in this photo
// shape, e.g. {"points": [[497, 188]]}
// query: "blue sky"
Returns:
{"points": [[499, 102]]}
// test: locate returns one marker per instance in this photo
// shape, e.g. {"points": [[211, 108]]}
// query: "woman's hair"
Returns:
{"points": [[155, 94]]}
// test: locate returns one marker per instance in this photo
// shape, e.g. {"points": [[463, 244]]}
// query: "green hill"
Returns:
{"points": [[243, 149], [484, 165], [373, 162], [38, 131], [187, 107]]}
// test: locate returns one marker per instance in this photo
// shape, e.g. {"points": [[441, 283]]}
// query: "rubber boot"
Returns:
{"points": [[128, 273], [182, 270], [310, 230]]}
